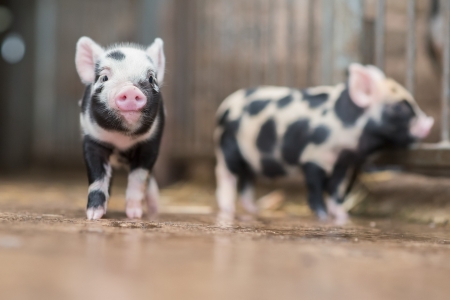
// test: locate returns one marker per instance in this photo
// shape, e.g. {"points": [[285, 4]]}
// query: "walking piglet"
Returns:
{"points": [[122, 120]]}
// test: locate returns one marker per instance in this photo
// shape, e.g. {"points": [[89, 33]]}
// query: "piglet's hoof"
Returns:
{"points": [[95, 213], [134, 209]]}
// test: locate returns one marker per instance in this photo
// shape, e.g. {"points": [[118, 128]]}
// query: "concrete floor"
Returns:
{"points": [[49, 251]]}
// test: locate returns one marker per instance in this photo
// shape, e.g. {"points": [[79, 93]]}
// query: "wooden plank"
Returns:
{"points": [[424, 157]]}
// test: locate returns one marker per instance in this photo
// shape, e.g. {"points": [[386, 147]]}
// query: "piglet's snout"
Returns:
{"points": [[422, 127], [130, 98]]}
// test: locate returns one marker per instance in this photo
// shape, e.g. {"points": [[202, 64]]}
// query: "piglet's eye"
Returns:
{"points": [[104, 78]]}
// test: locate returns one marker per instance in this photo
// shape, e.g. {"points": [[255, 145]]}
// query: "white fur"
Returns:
{"points": [[117, 139]]}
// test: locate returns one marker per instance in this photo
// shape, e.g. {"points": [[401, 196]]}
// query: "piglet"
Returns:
{"points": [[122, 120], [326, 132]]}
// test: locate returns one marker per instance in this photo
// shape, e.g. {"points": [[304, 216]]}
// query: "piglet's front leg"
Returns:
{"points": [[96, 157], [137, 183]]}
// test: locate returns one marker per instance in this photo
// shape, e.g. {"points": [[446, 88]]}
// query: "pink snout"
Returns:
{"points": [[422, 127], [130, 98]]}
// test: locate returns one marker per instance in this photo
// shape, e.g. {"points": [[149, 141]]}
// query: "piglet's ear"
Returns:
{"points": [[365, 84], [156, 53], [86, 56]]}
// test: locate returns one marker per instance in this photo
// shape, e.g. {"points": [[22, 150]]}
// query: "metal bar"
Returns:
{"points": [[362, 38], [348, 19], [311, 52], [411, 46], [292, 53], [327, 40], [271, 70], [445, 72], [379, 34]]}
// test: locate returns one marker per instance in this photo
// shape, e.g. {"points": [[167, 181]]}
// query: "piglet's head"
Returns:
{"points": [[395, 115], [123, 79]]}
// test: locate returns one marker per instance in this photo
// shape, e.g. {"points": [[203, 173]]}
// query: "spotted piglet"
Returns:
{"points": [[325, 131], [122, 120]]}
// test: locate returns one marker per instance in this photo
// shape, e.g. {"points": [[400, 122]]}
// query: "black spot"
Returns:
{"points": [[117, 55], [147, 88], [320, 134], [96, 199], [347, 111], [223, 118], [294, 141], [324, 112], [315, 100], [272, 168], [233, 158], [250, 91], [255, 107], [245, 180], [97, 71], [267, 137], [391, 131], [233, 126], [284, 101], [230, 147]]}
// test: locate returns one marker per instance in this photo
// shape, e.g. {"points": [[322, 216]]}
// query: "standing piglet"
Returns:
{"points": [[325, 131], [122, 120]]}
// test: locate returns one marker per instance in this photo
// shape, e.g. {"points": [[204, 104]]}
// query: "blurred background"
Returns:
{"points": [[48, 250], [213, 47]]}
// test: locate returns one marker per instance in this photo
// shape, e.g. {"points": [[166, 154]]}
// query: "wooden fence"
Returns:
{"points": [[213, 47]]}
